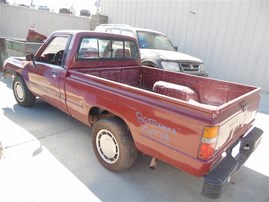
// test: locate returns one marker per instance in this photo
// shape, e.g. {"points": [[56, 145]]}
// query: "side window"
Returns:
{"points": [[88, 48], [94, 48], [142, 40], [54, 51], [130, 50]]}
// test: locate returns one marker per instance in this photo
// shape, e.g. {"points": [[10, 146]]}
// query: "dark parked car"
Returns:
{"points": [[43, 8], [65, 10], [85, 13]]}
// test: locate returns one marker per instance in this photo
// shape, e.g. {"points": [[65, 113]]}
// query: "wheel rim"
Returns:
{"points": [[107, 146], [19, 91]]}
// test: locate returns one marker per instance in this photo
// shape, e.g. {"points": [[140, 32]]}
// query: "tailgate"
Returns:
{"points": [[240, 117], [234, 133]]}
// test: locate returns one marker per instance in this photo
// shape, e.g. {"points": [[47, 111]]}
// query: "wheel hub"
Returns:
{"points": [[107, 146], [19, 91]]}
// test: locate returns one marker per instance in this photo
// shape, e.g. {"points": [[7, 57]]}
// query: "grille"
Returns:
{"points": [[190, 67]]}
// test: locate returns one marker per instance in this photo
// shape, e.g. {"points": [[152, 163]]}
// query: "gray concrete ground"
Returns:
{"points": [[48, 157]]}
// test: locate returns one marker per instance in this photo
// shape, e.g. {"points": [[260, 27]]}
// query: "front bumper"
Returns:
{"points": [[216, 180]]}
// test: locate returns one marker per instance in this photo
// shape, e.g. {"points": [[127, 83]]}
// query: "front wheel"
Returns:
{"points": [[22, 94], [113, 144]]}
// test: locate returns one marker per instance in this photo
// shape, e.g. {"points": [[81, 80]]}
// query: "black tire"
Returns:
{"points": [[23, 96], [113, 144]]}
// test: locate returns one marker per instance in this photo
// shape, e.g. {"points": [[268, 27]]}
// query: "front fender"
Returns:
{"points": [[13, 65], [150, 63]]}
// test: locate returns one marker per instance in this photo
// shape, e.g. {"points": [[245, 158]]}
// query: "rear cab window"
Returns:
{"points": [[96, 48]]}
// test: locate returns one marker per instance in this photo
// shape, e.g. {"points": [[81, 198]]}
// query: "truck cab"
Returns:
{"points": [[157, 51]]}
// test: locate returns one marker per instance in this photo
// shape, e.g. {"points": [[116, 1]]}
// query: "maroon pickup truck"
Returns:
{"points": [[189, 122]]}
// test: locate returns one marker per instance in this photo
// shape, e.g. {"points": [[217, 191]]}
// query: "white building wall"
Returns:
{"points": [[231, 37], [15, 21]]}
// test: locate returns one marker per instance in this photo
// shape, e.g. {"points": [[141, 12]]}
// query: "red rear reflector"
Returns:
{"points": [[206, 150]]}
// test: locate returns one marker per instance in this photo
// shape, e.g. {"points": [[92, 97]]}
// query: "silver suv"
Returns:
{"points": [[156, 49]]}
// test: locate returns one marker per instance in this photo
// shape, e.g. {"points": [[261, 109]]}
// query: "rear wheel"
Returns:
{"points": [[22, 94], [113, 144]]}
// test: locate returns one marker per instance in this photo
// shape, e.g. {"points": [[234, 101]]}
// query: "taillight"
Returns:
{"points": [[208, 142]]}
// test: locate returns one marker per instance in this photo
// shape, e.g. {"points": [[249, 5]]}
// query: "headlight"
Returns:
{"points": [[173, 66], [202, 67], [203, 72]]}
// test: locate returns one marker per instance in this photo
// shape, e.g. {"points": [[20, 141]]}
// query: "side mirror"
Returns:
{"points": [[30, 57], [176, 48]]}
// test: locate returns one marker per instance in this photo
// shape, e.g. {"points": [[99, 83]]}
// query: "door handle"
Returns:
{"points": [[54, 74]]}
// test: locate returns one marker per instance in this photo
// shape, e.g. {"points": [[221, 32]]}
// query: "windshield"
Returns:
{"points": [[151, 40]]}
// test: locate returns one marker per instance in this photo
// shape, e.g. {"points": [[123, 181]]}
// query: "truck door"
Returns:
{"points": [[48, 72]]}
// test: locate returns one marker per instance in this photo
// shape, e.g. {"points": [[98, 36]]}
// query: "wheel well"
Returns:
{"points": [[10, 73], [148, 63], [97, 113]]}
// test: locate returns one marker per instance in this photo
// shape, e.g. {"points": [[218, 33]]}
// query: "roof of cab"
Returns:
{"points": [[93, 34]]}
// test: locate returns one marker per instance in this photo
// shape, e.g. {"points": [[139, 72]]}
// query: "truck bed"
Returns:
{"points": [[213, 94]]}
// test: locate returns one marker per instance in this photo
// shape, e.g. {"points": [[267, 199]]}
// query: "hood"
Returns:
{"points": [[16, 61], [167, 55]]}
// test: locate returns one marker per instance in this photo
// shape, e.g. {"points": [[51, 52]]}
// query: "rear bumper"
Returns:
{"points": [[216, 180]]}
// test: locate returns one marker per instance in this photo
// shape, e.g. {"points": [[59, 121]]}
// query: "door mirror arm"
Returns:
{"points": [[31, 57]]}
